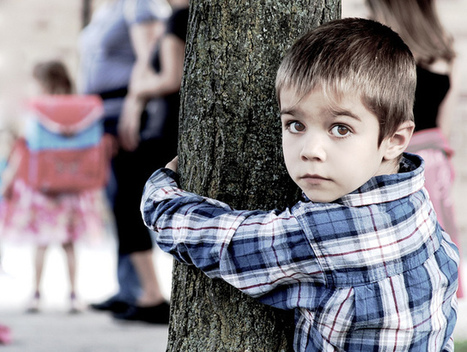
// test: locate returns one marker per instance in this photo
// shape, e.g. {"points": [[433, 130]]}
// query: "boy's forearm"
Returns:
{"points": [[254, 251], [162, 178], [179, 230]]}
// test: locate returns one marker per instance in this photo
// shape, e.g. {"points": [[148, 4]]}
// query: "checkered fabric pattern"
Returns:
{"points": [[372, 271]]}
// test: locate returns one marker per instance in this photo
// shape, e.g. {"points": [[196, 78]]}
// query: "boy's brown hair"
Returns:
{"points": [[354, 55]]}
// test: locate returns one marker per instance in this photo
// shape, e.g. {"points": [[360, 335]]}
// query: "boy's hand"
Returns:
{"points": [[173, 165]]}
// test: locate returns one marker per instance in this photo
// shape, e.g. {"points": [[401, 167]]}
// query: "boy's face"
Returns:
{"points": [[329, 152]]}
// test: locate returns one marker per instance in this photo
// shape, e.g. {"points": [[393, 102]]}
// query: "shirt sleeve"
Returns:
{"points": [[254, 251]]}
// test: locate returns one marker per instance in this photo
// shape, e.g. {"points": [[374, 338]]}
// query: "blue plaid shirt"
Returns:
{"points": [[371, 271]]}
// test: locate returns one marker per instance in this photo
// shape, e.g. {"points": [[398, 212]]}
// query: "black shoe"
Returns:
{"points": [[111, 305], [158, 314]]}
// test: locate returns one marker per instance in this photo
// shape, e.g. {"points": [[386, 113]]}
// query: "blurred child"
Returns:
{"points": [[47, 215]]}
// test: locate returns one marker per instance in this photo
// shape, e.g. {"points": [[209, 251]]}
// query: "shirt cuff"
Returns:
{"points": [[172, 174]]}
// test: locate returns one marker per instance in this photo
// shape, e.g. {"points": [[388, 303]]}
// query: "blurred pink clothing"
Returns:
{"points": [[433, 147], [5, 335], [43, 219]]}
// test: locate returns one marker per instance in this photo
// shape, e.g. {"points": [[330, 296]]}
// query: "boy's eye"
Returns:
{"points": [[340, 131], [296, 127]]}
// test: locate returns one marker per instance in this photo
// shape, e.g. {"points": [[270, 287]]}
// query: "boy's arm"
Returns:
{"points": [[254, 251]]}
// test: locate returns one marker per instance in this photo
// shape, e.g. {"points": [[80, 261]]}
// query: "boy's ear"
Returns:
{"points": [[399, 141]]}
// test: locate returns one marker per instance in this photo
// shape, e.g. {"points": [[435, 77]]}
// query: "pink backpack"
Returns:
{"points": [[64, 148]]}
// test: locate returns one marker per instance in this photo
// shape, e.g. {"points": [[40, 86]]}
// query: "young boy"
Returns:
{"points": [[361, 259]]}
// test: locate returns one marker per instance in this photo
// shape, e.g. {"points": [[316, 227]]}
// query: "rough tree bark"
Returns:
{"points": [[230, 149]]}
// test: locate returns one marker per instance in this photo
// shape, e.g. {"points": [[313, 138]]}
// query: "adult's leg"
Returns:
{"points": [[129, 284], [135, 242], [129, 288], [134, 237], [151, 293]]}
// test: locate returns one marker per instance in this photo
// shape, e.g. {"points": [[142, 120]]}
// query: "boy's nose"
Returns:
{"points": [[313, 149]]}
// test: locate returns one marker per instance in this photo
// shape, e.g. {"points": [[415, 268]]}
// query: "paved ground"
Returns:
{"points": [[54, 329]]}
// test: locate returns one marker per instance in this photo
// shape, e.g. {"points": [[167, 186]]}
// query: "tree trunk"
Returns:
{"points": [[230, 149]]}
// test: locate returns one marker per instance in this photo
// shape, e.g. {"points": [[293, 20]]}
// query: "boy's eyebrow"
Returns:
{"points": [[341, 111], [290, 111], [293, 110], [333, 111]]}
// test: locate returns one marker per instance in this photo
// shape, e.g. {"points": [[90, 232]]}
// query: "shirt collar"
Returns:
{"points": [[387, 188]]}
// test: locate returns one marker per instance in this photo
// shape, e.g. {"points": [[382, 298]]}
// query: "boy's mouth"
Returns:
{"points": [[313, 178]]}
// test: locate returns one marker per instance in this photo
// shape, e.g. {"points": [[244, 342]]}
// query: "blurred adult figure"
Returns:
{"points": [[418, 23], [116, 48], [155, 97]]}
